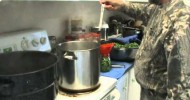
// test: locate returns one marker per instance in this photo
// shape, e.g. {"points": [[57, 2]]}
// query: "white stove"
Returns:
{"points": [[34, 39], [106, 91], [37, 40]]}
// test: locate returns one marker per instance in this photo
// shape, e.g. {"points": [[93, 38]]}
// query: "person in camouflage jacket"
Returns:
{"points": [[162, 63]]}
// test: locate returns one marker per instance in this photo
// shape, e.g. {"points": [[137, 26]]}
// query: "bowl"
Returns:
{"points": [[123, 54]]}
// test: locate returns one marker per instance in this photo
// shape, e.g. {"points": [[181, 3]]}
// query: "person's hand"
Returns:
{"points": [[112, 4]]}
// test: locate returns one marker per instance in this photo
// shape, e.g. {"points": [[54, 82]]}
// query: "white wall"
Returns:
{"points": [[49, 15]]}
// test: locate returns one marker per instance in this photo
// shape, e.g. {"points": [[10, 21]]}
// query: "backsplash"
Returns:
{"points": [[49, 15]]}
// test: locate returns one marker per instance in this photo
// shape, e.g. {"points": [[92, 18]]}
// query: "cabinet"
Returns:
{"points": [[134, 88], [122, 86], [128, 87]]}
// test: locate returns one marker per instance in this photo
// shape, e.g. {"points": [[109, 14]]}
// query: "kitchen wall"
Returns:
{"points": [[49, 15]]}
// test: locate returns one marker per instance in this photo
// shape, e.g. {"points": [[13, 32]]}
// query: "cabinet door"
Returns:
{"points": [[134, 88], [122, 86]]}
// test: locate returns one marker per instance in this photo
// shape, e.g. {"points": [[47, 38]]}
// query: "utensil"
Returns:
{"points": [[117, 66], [101, 17]]}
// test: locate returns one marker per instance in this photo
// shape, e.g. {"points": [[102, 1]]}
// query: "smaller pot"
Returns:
{"points": [[129, 31]]}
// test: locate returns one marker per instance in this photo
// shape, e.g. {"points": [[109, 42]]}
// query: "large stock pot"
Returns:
{"points": [[27, 75], [79, 66]]}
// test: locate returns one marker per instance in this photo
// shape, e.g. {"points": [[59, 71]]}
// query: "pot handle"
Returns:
{"points": [[69, 56], [6, 87]]}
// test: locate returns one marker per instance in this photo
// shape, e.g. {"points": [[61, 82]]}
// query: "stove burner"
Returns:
{"points": [[72, 93]]}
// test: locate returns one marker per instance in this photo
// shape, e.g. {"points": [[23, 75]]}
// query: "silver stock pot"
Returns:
{"points": [[79, 66]]}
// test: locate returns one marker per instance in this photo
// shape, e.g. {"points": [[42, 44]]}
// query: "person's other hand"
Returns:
{"points": [[112, 4]]}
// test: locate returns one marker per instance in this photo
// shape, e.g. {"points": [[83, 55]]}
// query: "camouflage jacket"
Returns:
{"points": [[163, 60]]}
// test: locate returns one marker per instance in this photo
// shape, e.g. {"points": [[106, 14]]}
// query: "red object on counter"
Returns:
{"points": [[106, 48], [69, 38], [92, 36]]}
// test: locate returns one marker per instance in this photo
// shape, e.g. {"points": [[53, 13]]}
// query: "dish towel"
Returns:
{"points": [[125, 40], [117, 72]]}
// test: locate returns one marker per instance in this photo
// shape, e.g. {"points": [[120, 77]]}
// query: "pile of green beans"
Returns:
{"points": [[130, 45]]}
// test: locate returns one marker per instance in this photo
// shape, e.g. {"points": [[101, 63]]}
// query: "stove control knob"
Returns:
{"points": [[35, 42], [24, 44], [43, 40]]}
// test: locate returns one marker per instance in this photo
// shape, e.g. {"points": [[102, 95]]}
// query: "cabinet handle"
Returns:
{"points": [[132, 80], [125, 88]]}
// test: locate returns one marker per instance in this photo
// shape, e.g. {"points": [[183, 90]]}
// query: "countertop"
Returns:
{"points": [[119, 71]]}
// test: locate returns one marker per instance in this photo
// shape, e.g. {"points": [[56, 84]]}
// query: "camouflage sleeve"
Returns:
{"points": [[177, 47], [138, 11]]}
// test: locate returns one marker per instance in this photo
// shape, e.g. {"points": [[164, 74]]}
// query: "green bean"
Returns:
{"points": [[130, 45]]}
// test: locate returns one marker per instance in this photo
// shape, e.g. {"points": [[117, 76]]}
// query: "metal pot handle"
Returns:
{"points": [[69, 57], [6, 87]]}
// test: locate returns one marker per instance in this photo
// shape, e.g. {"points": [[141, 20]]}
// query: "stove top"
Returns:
{"points": [[106, 85]]}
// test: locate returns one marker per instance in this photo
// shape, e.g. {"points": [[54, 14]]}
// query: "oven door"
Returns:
{"points": [[112, 95]]}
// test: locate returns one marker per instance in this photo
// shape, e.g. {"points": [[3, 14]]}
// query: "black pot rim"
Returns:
{"points": [[26, 73]]}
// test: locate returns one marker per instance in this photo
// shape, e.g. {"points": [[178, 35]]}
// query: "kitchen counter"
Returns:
{"points": [[127, 85], [118, 72]]}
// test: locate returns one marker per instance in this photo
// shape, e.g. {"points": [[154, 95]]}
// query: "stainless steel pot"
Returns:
{"points": [[79, 66]]}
